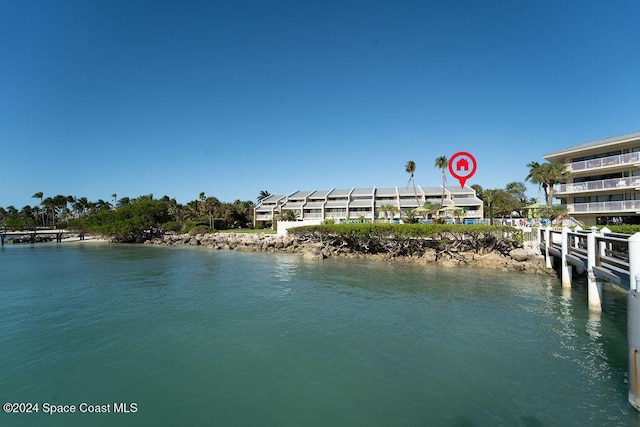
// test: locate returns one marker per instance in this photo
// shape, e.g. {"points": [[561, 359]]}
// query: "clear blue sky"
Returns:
{"points": [[234, 97]]}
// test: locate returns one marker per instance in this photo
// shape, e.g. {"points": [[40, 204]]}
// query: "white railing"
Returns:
{"points": [[263, 217], [329, 214], [473, 214], [605, 184], [604, 162], [605, 207], [356, 214], [312, 215]]}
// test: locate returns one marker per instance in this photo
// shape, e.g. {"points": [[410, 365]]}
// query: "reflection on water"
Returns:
{"points": [[286, 267]]}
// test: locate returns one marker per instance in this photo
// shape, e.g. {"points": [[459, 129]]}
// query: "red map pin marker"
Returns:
{"points": [[462, 166]]}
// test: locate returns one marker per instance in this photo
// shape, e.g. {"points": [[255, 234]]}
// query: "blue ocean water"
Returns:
{"points": [[196, 337]]}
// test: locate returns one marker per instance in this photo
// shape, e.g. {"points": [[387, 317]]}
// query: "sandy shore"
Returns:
{"points": [[87, 239], [24, 239]]}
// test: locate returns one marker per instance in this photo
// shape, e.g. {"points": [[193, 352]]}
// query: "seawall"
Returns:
{"points": [[524, 259]]}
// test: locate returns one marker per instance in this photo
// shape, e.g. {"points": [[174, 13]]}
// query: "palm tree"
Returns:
{"points": [[115, 198], [534, 176], [80, 206], [39, 195], [191, 210], [429, 208], [489, 197], [410, 168], [210, 205], [388, 211], [410, 216], [263, 195], [551, 174], [49, 206], [517, 190], [201, 199], [441, 163], [124, 201]]}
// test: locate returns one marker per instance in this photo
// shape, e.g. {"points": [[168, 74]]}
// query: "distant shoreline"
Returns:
{"points": [[25, 239]]}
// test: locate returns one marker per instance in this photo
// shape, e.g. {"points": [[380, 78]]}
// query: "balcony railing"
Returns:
{"points": [[605, 184], [357, 214], [264, 217], [627, 206], [473, 214], [335, 215], [312, 215], [605, 162]]}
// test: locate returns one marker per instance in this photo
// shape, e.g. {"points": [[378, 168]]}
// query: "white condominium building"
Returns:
{"points": [[604, 186], [369, 203]]}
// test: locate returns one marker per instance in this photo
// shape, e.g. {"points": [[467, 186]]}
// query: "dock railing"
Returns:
{"points": [[610, 257]]}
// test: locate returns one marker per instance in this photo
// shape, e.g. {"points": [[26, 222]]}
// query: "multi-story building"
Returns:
{"points": [[369, 203], [604, 185]]}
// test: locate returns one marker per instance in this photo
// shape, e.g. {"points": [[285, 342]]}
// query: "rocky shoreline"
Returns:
{"points": [[525, 259]]}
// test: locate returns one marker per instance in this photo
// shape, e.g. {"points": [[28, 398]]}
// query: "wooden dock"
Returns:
{"points": [[31, 234]]}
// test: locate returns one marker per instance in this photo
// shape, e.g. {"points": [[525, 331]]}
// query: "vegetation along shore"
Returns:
{"points": [[447, 245]]}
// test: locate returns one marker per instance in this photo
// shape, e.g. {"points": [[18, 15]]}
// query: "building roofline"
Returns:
{"points": [[605, 142]]}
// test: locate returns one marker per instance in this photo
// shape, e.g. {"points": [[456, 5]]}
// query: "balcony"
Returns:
{"points": [[629, 159], [264, 217], [632, 183], [627, 206], [335, 215], [357, 214], [308, 215]]}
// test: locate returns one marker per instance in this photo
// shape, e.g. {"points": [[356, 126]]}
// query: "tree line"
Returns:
{"points": [[128, 217]]}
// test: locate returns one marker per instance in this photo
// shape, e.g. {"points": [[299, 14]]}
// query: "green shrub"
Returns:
{"points": [[407, 231], [172, 226], [199, 229], [624, 229]]}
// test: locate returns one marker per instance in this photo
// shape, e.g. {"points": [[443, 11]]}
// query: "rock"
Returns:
{"points": [[520, 254], [313, 253]]}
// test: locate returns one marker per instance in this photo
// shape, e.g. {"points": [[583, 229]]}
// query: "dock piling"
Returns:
{"points": [[565, 267], [594, 288]]}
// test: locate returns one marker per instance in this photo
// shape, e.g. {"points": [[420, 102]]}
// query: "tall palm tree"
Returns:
{"points": [[49, 206], [534, 176], [201, 199], [489, 197], [441, 163], [210, 205], [114, 196], [263, 195], [80, 206], [39, 195], [410, 168], [551, 174]]}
